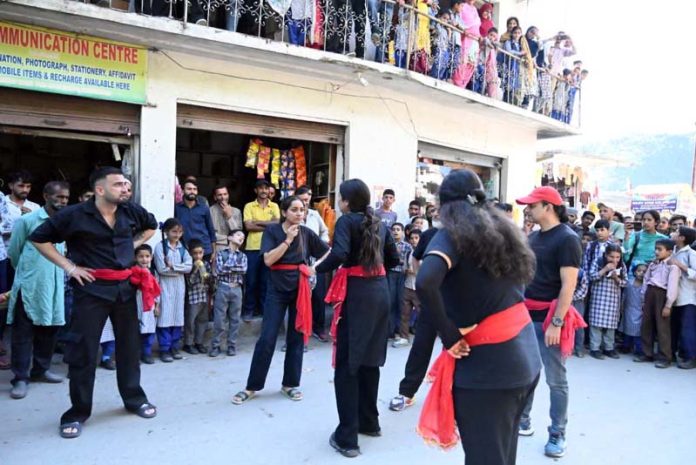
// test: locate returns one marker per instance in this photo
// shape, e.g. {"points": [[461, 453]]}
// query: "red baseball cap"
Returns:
{"points": [[542, 194]]}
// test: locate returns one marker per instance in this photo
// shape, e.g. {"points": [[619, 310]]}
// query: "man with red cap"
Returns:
{"points": [[549, 297]]}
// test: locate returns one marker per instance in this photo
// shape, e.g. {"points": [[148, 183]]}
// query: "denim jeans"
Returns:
{"points": [[555, 372], [396, 294], [297, 31], [687, 340], [226, 312]]}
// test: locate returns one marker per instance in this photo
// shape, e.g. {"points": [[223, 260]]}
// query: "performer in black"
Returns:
{"points": [[364, 246], [471, 284], [101, 235]]}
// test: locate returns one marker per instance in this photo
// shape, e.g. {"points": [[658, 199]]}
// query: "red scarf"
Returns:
{"points": [[336, 295], [571, 322], [139, 277], [303, 321], [437, 424]]}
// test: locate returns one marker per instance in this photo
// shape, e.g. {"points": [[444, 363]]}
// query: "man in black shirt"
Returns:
{"points": [[101, 234], [558, 256]]}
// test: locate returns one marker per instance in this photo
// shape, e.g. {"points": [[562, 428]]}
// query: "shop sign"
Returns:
{"points": [[654, 201], [48, 60]]}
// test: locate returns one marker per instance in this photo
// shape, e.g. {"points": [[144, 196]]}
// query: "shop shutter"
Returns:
{"points": [[439, 152], [213, 119], [63, 112]]}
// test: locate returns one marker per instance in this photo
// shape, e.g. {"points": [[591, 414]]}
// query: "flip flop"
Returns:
{"points": [[142, 411], [292, 393], [66, 427], [242, 396]]}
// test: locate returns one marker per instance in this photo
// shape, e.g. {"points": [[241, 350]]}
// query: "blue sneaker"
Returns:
{"points": [[556, 447]]}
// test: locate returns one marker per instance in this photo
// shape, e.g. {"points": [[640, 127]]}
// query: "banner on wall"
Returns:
{"points": [[46, 60]]}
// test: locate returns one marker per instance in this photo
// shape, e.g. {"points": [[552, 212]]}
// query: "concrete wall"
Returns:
{"points": [[383, 125]]}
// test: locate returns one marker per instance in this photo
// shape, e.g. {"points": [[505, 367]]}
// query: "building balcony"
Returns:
{"points": [[401, 47]]}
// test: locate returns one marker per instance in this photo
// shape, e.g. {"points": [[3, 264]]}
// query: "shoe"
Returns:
{"points": [[201, 349], [166, 357], [612, 354], [48, 377], [231, 351], [320, 336], [687, 364], [108, 364], [556, 447], [176, 355], [597, 354], [147, 359], [662, 364], [579, 353], [373, 434], [350, 453], [525, 429], [214, 352], [190, 350], [642, 358], [201, 22], [19, 390], [399, 403], [400, 342]]}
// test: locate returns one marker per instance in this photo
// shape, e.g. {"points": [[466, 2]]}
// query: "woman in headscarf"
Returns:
{"points": [[486, 15]]}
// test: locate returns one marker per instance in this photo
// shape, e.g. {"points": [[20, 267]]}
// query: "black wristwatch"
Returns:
{"points": [[557, 321]]}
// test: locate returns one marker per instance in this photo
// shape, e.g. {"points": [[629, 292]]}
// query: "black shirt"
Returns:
{"points": [[92, 243], [306, 244], [554, 249], [347, 242], [465, 295]]}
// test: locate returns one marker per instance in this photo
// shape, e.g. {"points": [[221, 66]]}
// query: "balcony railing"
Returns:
{"points": [[385, 31]]}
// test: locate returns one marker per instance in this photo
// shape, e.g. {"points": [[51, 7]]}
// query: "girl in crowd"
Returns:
{"points": [[492, 360], [529, 87], [633, 298], [147, 316], [470, 44], [286, 248], [172, 262], [511, 66], [359, 293]]}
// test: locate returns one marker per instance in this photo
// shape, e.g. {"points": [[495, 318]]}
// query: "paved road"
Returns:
{"points": [[621, 412]]}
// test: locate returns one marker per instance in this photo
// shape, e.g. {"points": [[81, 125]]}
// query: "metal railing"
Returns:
{"points": [[386, 31]]}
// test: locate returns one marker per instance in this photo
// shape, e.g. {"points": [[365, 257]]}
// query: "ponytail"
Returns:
{"points": [[370, 256]]}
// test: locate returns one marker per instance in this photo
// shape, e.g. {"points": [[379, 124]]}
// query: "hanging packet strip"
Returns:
{"points": [[275, 168], [252, 153], [300, 165], [264, 161]]}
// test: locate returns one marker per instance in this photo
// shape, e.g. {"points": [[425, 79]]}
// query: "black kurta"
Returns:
{"points": [[366, 308]]}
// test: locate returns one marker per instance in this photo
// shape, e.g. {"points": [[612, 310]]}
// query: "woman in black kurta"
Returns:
{"points": [[360, 240], [286, 243], [476, 266]]}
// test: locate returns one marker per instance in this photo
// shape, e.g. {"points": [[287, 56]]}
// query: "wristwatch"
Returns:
{"points": [[557, 321]]}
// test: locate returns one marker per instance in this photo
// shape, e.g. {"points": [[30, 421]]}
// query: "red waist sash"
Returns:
{"points": [[139, 277], [436, 423], [336, 295], [571, 322], [303, 321]]}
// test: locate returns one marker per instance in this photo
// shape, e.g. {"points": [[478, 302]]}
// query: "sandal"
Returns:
{"points": [[147, 410], [399, 403], [243, 396], [66, 430], [292, 393]]}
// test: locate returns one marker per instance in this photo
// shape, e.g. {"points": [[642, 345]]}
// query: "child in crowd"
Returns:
{"points": [[148, 319], [230, 267], [633, 298], [420, 223], [595, 250], [511, 66], [579, 297], [456, 36], [684, 310], [490, 65], [661, 285], [108, 346], [196, 314], [172, 261], [411, 306], [607, 278], [396, 277], [560, 97], [442, 54]]}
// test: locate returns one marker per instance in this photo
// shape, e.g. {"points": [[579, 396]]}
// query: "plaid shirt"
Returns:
{"points": [[605, 296], [405, 250], [231, 266], [198, 287]]}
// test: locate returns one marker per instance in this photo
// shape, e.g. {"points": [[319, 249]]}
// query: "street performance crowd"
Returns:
{"points": [[505, 301]]}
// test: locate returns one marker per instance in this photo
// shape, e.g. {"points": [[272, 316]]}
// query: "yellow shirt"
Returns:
{"points": [[255, 212]]}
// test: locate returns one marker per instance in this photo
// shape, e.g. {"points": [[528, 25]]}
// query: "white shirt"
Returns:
{"points": [[316, 224], [10, 215], [687, 281]]}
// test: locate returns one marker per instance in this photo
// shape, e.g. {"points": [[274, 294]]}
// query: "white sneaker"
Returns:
{"points": [[400, 342]]}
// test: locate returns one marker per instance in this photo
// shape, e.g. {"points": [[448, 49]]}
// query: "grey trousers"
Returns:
{"points": [[196, 322], [601, 337], [226, 314]]}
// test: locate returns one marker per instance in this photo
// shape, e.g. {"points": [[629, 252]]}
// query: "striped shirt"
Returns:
{"points": [[231, 266]]}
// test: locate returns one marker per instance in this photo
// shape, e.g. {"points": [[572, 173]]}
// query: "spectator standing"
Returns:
{"points": [[197, 294], [414, 209], [617, 228], [258, 214], [684, 311], [147, 317], [385, 212], [396, 277], [471, 23], [676, 222], [226, 218], [36, 309], [195, 219], [639, 247], [633, 299], [586, 220], [511, 67]]}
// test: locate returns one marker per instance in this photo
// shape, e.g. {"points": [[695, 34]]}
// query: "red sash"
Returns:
{"points": [[336, 295], [139, 277], [571, 322], [303, 321], [437, 423]]}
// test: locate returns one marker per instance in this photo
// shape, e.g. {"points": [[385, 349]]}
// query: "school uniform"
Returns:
{"points": [[661, 284], [148, 325], [170, 322], [231, 266], [605, 306], [196, 314]]}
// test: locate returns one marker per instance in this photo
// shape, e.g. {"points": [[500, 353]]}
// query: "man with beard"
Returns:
{"points": [[226, 218], [196, 220], [37, 300], [101, 235]]}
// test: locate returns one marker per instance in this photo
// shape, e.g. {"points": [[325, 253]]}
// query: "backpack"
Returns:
{"points": [[182, 250]]}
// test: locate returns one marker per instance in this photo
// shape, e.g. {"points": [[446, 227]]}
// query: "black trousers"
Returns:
{"points": [[318, 305], [356, 394], [82, 345], [419, 356], [30, 341], [488, 422]]}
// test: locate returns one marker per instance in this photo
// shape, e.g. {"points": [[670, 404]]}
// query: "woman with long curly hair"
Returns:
{"points": [[472, 282], [359, 293]]}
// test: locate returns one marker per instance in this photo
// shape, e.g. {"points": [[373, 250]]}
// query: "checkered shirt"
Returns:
{"points": [[231, 266], [198, 287], [605, 297], [405, 251]]}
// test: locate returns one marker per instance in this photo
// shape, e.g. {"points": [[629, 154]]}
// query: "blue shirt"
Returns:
{"points": [[197, 223]]}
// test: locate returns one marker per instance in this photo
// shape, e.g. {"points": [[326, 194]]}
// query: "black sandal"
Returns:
{"points": [[242, 397], [65, 430], [142, 411]]}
